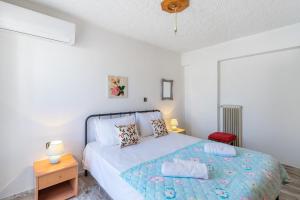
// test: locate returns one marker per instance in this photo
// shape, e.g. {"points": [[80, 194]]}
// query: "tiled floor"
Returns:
{"points": [[90, 190]]}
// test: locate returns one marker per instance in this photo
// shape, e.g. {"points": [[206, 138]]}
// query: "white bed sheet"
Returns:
{"points": [[105, 163]]}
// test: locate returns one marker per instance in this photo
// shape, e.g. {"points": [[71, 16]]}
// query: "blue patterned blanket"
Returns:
{"points": [[248, 176]]}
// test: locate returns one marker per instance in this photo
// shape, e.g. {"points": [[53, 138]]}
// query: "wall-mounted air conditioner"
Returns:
{"points": [[18, 19]]}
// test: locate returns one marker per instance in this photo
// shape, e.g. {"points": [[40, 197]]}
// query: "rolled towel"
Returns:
{"points": [[220, 149], [185, 168], [189, 162]]}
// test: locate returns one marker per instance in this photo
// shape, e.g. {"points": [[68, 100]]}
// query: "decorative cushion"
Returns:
{"points": [[159, 127], [106, 133], [144, 122], [128, 135], [222, 137]]}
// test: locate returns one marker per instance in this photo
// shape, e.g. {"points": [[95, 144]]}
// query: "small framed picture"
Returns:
{"points": [[117, 87]]}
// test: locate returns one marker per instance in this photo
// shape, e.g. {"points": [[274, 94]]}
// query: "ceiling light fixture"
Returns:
{"points": [[174, 7]]}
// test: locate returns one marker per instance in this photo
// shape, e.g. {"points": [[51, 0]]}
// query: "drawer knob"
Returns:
{"points": [[59, 176]]}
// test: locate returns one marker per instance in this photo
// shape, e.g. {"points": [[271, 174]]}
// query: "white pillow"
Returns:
{"points": [[144, 122], [106, 133]]}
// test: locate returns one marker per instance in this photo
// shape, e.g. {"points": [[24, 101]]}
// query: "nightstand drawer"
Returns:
{"points": [[56, 177]]}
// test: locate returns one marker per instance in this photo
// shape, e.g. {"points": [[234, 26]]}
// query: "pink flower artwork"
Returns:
{"points": [[115, 91], [117, 87]]}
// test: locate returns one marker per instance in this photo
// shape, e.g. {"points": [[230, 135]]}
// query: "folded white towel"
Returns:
{"points": [[220, 149], [185, 168]]}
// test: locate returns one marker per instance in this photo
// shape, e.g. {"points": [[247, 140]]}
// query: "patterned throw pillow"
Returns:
{"points": [[159, 127], [128, 135]]}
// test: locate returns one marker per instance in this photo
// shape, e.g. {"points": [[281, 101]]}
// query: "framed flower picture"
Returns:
{"points": [[117, 87]]}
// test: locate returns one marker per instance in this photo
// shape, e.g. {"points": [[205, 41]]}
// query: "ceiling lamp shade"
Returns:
{"points": [[174, 6]]}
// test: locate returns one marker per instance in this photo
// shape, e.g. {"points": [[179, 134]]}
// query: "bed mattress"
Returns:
{"points": [[134, 172], [106, 163]]}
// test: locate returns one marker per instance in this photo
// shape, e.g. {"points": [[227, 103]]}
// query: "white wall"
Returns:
{"points": [[48, 88], [267, 86], [202, 75]]}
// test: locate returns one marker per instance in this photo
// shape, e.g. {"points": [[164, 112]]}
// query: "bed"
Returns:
{"points": [[123, 172]]}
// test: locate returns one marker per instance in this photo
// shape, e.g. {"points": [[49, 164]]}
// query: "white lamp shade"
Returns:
{"points": [[55, 148], [174, 122]]}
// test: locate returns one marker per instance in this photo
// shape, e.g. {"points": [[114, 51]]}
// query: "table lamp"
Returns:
{"points": [[54, 150], [174, 124]]}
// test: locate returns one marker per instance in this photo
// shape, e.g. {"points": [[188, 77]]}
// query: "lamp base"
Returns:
{"points": [[174, 128], [54, 159]]}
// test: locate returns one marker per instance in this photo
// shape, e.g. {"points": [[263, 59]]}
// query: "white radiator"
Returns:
{"points": [[232, 122]]}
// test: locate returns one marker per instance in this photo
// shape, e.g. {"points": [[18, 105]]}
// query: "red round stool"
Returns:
{"points": [[223, 137]]}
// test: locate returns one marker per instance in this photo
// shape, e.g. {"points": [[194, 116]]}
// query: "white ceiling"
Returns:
{"points": [[204, 23]]}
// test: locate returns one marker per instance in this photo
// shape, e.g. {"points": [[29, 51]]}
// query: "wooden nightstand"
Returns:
{"points": [[56, 181], [178, 130]]}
